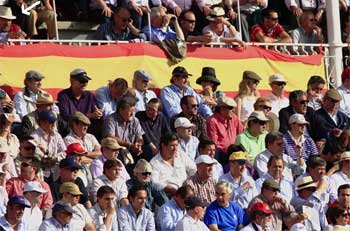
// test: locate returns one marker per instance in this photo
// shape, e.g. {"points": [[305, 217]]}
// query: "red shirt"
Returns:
{"points": [[274, 32], [223, 132]]}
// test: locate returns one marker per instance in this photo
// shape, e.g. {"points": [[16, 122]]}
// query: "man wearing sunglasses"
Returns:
{"points": [[270, 31], [188, 23], [278, 100]]}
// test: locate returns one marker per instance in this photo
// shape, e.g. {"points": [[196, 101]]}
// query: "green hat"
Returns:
{"points": [[271, 184], [80, 117]]}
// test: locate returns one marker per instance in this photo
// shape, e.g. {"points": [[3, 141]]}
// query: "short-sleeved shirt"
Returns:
{"points": [[203, 190], [251, 144], [226, 218], [274, 32], [89, 141]]}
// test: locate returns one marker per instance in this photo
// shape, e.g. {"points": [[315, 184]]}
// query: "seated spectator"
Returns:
{"points": [[252, 139], [209, 84], [264, 104], [260, 216], [13, 218], [342, 202], [342, 176], [203, 182], [25, 99], [33, 216], [6, 103], [9, 30], [103, 213], [187, 23], [160, 26], [171, 95], [207, 147], [68, 172], [275, 168], [111, 177], [6, 122], [274, 147], [247, 95], [297, 104], [119, 28], [6, 160], [269, 195], [29, 169], [224, 126], [224, 214], [315, 87], [141, 83], [221, 29], [277, 83], [308, 32], [62, 214], [79, 124], [242, 184], [338, 219], [297, 144], [154, 124], [188, 143], [142, 176], [269, 31], [307, 201], [195, 209], [189, 106], [107, 97], [170, 166], [110, 151], [329, 122], [174, 210], [135, 216], [344, 91]]}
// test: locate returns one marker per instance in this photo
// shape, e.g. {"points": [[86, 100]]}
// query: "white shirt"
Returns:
{"points": [[277, 103], [165, 174], [189, 148], [187, 223], [119, 187], [225, 34], [33, 218], [89, 141], [337, 179], [344, 105], [251, 228]]}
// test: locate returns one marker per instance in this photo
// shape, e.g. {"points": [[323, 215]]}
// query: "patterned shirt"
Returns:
{"points": [[204, 190], [200, 131], [308, 146]]}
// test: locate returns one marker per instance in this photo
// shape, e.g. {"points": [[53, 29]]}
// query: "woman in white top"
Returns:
{"points": [[247, 95]]}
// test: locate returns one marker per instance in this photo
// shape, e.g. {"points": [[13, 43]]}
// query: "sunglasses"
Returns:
{"points": [[274, 19], [229, 108], [304, 101], [334, 101], [345, 214], [29, 148], [266, 107], [146, 173], [281, 84], [194, 106]]}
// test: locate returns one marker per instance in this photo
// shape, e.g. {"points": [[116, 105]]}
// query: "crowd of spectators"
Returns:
{"points": [[124, 158]]}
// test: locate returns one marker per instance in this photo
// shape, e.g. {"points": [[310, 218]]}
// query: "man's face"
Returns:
{"points": [[188, 22], [5, 25], [113, 173], [33, 84], [127, 113], [227, 112], [309, 22], [258, 126], [122, 19], [192, 107], [143, 177], [15, 211], [80, 129], [344, 197], [139, 201], [171, 148], [184, 133], [276, 148], [64, 217], [73, 199], [78, 86], [110, 154], [271, 21], [205, 169], [141, 85], [237, 167], [152, 111], [269, 194], [47, 126], [300, 106], [277, 88], [317, 172], [27, 171], [330, 105], [69, 174], [297, 128], [276, 168], [107, 201], [208, 150], [222, 196], [160, 20], [116, 91], [180, 81], [33, 196], [266, 220]]}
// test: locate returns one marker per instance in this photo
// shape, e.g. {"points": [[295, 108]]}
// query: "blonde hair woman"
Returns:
{"points": [[247, 95]]}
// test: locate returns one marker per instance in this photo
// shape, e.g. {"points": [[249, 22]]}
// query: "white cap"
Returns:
{"points": [[33, 186], [298, 227], [277, 78], [183, 122], [4, 147], [206, 159], [297, 118]]}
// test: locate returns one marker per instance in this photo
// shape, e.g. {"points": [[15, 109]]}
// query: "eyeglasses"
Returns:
{"points": [[190, 21], [194, 106], [345, 214], [229, 108], [266, 107], [281, 84], [304, 101], [29, 148], [261, 122], [146, 173]]}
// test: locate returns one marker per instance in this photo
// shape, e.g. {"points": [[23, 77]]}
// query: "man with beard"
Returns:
{"points": [[12, 220]]}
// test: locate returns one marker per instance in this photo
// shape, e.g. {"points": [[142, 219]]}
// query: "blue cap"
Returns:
{"points": [[19, 200], [61, 206], [70, 163], [140, 74], [48, 115]]}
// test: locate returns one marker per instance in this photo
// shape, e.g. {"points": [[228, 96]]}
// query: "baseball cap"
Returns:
{"points": [[333, 94], [69, 162], [239, 156], [19, 200], [75, 149], [271, 184], [62, 207], [71, 188], [345, 156], [80, 117], [183, 122], [47, 115], [261, 206], [141, 74], [258, 115], [80, 75], [297, 118], [205, 159], [305, 182], [277, 78], [181, 71], [34, 75], [33, 186], [226, 101], [193, 202], [110, 143]]}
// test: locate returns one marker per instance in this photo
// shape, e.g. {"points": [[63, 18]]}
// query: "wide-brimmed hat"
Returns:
{"points": [[277, 78], [215, 13], [6, 12], [208, 74], [305, 182], [180, 71], [44, 98]]}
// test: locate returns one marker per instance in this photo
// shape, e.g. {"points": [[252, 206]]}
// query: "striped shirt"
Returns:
{"points": [[308, 147], [203, 190]]}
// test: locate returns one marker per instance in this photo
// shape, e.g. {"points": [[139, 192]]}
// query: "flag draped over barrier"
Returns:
{"points": [[108, 62]]}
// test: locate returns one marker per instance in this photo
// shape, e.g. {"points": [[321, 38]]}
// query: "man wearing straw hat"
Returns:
{"points": [[7, 28]]}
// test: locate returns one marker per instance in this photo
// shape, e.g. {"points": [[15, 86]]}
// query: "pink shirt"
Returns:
{"points": [[223, 131], [15, 185]]}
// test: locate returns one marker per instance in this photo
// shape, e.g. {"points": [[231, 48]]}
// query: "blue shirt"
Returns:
{"points": [[106, 31], [53, 225], [226, 218], [4, 225], [105, 101], [142, 100], [169, 215], [308, 147], [98, 217], [171, 97], [158, 35], [128, 221], [190, 148]]}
